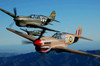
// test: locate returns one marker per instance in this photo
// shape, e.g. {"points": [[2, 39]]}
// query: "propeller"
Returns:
{"points": [[15, 12]]}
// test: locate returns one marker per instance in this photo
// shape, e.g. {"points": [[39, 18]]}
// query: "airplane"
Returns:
{"points": [[58, 42], [27, 21], [32, 33]]}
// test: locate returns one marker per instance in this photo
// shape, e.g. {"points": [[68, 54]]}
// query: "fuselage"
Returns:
{"points": [[22, 21]]}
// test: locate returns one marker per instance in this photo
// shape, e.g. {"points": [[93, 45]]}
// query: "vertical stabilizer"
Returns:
{"points": [[79, 31], [52, 16]]}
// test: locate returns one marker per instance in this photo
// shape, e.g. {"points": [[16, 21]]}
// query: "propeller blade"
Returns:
{"points": [[15, 12]]}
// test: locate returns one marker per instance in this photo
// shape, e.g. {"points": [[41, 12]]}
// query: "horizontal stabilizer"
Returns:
{"points": [[83, 38]]}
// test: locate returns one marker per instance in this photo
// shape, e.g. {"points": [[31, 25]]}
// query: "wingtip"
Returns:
{"points": [[0, 8], [7, 28], [97, 56]]}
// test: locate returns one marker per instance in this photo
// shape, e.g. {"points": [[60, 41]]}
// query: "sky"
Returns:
{"points": [[70, 13]]}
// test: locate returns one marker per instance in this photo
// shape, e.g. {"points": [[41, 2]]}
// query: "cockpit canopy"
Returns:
{"points": [[35, 16], [57, 35]]}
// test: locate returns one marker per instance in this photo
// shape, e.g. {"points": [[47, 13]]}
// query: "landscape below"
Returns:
{"points": [[50, 59]]}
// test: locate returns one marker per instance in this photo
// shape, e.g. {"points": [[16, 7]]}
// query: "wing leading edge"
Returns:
{"points": [[75, 52]]}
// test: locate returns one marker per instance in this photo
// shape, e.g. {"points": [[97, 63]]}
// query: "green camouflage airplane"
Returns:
{"points": [[32, 33], [26, 21]]}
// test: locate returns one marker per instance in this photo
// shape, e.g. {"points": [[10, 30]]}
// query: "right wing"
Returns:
{"points": [[10, 14], [22, 34], [75, 51]]}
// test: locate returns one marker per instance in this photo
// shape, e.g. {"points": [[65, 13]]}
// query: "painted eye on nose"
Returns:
{"points": [[38, 42]]}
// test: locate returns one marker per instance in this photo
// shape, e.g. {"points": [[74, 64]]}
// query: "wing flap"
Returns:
{"points": [[75, 52], [83, 38]]}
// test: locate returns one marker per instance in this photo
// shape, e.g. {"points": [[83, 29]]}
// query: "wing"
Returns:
{"points": [[22, 34], [75, 52], [10, 14], [35, 26]]}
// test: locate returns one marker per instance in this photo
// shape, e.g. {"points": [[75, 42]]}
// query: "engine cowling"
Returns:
{"points": [[41, 47]]}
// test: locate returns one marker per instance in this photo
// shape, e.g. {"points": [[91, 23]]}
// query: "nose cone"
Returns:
{"points": [[38, 42]]}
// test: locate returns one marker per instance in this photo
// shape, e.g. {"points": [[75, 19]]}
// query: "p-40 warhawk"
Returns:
{"points": [[32, 33], [58, 42], [27, 21]]}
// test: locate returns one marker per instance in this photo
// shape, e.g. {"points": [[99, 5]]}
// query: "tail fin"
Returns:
{"points": [[52, 16], [79, 31]]}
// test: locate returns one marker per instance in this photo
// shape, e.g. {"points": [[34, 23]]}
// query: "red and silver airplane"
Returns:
{"points": [[59, 42]]}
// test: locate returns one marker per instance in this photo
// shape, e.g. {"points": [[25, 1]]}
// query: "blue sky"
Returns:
{"points": [[71, 14]]}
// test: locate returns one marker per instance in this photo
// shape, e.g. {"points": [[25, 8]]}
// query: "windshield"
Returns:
{"points": [[57, 35], [35, 16]]}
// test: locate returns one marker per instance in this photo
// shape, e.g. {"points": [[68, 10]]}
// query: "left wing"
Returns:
{"points": [[75, 52], [83, 38], [22, 34]]}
